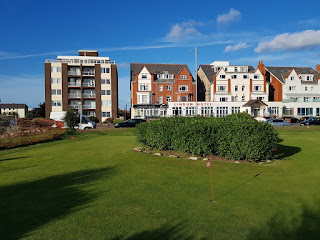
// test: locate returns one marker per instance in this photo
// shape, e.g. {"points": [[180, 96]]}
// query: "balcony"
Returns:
{"points": [[299, 100], [73, 73], [74, 106], [74, 95], [88, 73], [74, 84], [89, 95], [89, 107], [88, 84]]}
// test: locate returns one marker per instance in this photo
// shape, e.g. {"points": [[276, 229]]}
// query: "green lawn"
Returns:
{"points": [[97, 187]]}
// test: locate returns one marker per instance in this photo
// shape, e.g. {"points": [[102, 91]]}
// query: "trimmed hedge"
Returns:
{"points": [[237, 136]]}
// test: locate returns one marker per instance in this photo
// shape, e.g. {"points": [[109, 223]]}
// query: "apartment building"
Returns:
{"points": [[86, 81], [14, 109], [153, 86]]}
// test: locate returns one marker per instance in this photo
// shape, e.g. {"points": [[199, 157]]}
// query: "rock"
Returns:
{"points": [[193, 158], [174, 156], [138, 149], [205, 159], [157, 154], [269, 161], [237, 162]]}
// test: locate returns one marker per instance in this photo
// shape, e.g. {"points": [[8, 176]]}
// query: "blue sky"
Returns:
{"points": [[281, 33]]}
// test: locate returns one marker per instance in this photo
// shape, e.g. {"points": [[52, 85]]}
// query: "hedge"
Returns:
{"points": [[237, 136]]}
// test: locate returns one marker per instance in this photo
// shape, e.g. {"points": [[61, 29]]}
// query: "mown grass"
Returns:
{"points": [[96, 187]]}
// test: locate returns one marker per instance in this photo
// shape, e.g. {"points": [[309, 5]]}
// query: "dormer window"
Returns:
{"points": [[292, 78], [222, 76], [308, 78], [144, 76], [256, 76]]}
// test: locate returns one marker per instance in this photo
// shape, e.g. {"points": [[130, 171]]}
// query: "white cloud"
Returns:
{"points": [[236, 47], [232, 15], [183, 31], [306, 40]]}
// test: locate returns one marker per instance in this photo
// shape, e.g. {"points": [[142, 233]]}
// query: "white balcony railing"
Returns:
{"points": [[74, 84], [300, 100], [89, 107], [74, 73], [71, 60], [89, 95], [74, 95], [74, 106], [88, 84], [88, 73]]}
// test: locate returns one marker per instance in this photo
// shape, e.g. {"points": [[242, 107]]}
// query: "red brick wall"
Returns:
{"points": [[277, 85]]}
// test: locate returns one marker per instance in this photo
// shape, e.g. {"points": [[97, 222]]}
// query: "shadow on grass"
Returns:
{"points": [[238, 186], [166, 231], [26, 206], [13, 158], [282, 226], [287, 151]]}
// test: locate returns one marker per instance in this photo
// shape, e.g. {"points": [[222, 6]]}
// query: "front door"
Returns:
{"points": [[255, 112]]}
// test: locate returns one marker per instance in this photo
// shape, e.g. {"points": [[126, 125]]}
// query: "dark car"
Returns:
{"points": [[311, 121], [130, 123]]}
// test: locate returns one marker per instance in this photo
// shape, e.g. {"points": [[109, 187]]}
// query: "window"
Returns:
{"points": [[144, 76], [160, 88], [144, 87], [106, 92], [223, 99], [160, 99], [207, 111], [256, 76], [105, 81], [55, 69], [306, 99], [184, 98], [190, 111], [308, 78], [242, 98], [236, 88], [55, 91], [105, 70], [222, 111], [183, 77], [56, 103], [311, 88], [292, 78], [233, 76], [168, 87], [292, 88], [235, 98], [236, 69], [106, 103], [176, 111], [257, 88], [226, 69], [305, 111], [245, 76], [306, 88], [222, 88], [165, 76], [56, 80], [242, 88], [183, 88], [260, 98], [235, 109], [168, 98], [106, 114], [274, 110], [222, 76]]}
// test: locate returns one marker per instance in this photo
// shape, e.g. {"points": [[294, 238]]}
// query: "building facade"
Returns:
{"points": [[153, 86], [14, 109], [86, 81]]}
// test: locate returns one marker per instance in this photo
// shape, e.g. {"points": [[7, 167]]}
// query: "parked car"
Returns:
{"points": [[86, 123], [311, 121], [130, 123], [278, 122]]}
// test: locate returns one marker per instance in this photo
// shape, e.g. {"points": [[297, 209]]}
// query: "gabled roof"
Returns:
{"points": [[254, 101], [282, 72], [13, 105], [208, 71], [157, 68]]}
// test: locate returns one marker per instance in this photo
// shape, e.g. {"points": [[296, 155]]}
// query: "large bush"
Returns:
{"points": [[236, 136]]}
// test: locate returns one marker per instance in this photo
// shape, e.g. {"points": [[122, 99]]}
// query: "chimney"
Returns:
{"points": [[318, 68], [261, 68]]}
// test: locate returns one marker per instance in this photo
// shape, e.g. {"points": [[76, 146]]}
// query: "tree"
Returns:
{"points": [[71, 119]]}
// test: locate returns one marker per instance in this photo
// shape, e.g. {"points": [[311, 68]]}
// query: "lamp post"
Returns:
{"points": [[196, 77], [80, 113]]}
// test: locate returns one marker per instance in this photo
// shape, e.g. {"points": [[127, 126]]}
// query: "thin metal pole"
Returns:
{"points": [[196, 76]]}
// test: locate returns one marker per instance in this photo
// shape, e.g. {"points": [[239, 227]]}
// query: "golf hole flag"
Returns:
{"points": [[208, 163]]}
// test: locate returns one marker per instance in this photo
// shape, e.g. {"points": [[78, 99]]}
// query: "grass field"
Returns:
{"points": [[97, 187]]}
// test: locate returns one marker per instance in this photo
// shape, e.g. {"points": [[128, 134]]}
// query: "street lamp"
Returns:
{"points": [[196, 76]]}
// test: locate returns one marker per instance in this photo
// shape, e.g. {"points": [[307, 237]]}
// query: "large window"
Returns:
{"points": [[143, 98], [176, 111], [184, 98], [222, 88], [106, 92], [168, 87], [274, 110], [305, 111], [55, 69], [106, 114], [183, 77], [106, 103], [105, 81], [55, 91], [235, 109], [183, 88], [190, 111], [160, 88], [257, 88], [105, 70], [144, 87], [56, 103], [207, 111], [222, 111], [56, 80]]}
